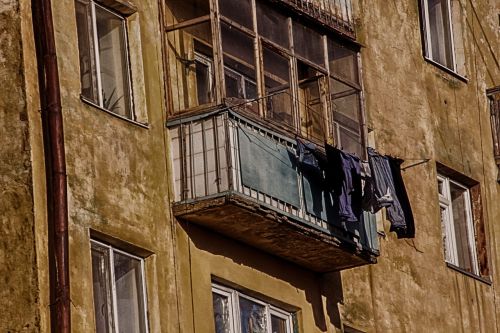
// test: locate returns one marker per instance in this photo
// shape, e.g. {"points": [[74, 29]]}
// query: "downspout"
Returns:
{"points": [[55, 166]]}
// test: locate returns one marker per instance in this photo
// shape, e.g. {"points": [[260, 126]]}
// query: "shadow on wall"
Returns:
{"points": [[315, 286]]}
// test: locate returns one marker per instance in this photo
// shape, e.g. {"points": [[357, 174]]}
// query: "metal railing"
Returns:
{"points": [[334, 13], [207, 163]]}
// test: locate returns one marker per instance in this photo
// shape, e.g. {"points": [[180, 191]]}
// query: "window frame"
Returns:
{"points": [[292, 121], [427, 40], [234, 296], [111, 250], [450, 245], [92, 35]]}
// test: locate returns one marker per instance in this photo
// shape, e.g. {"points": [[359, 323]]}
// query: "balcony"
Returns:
{"points": [[236, 176], [337, 14]]}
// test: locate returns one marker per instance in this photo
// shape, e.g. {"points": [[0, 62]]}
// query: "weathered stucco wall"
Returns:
{"points": [[117, 171], [417, 111], [204, 257], [18, 294]]}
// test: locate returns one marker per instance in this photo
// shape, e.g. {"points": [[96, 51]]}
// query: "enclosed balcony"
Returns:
{"points": [[236, 176]]}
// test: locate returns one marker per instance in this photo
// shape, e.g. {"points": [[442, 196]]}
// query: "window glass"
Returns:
{"points": [[342, 62], [272, 25], [85, 30], [129, 297], [253, 317], [250, 315], [113, 62], [104, 63], [438, 32], [459, 202], [457, 224], [183, 10], [278, 325], [310, 104], [102, 289], [277, 83], [346, 117], [239, 63], [191, 67], [308, 44], [118, 291], [221, 313], [239, 11]]}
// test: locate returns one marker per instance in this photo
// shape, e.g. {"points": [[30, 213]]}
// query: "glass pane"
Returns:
{"points": [[446, 241], [277, 83], [342, 62], [309, 44], [84, 27], [461, 220], [239, 63], [253, 317], [312, 120], [272, 25], [350, 141], [113, 62], [239, 11], [221, 314], [129, 294], [278, 325], [191, 66], [440, 32], [102, 289], [182, 10]]}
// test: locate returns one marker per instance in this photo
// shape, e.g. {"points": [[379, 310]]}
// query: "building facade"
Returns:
{"points": [[203, 194]]}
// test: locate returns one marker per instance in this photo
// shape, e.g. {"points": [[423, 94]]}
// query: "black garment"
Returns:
{"points": [[409, 230], [343, 177]]}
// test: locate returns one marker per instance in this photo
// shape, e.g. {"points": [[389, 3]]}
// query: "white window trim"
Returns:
{"points": [[451, 246], [112, 251], [93, 17], [234, 309], [428, 37]]}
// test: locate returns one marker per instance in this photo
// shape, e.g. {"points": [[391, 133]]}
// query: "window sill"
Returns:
{"points": [[447, 70], [486, 280], [131, 121]]}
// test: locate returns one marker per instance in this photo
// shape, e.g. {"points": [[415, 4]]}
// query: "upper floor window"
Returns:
{"points": [[443, 39], [119, 290], [235, 312], [462, 223], [104, 59], [277, 68]]}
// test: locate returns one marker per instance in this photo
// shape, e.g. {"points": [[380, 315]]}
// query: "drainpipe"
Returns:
{"points": [[55, 166]]}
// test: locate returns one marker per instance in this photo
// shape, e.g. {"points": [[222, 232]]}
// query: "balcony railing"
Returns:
{"points": [[240, 178], [334, 13]]}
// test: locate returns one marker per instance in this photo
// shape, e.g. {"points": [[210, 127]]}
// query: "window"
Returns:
{"points": [[235, 312], [457, 224], [104, 59], [279, 67], [442, 33], [119, 290]]}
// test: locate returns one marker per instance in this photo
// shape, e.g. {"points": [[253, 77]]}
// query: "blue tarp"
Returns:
{"points": [[268, 166]]}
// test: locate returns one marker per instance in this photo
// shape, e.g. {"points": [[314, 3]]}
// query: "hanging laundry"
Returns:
{"points": [[402, 195], [389, 191], [344, 179]]}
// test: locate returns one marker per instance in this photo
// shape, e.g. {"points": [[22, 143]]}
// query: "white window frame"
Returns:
{"points": [[111, 268], [428, 37], [96, 56], [234, 296], [449, 225]]}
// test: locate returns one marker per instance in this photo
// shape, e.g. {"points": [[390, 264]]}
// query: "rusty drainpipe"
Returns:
{"points": [[55, 166]]}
